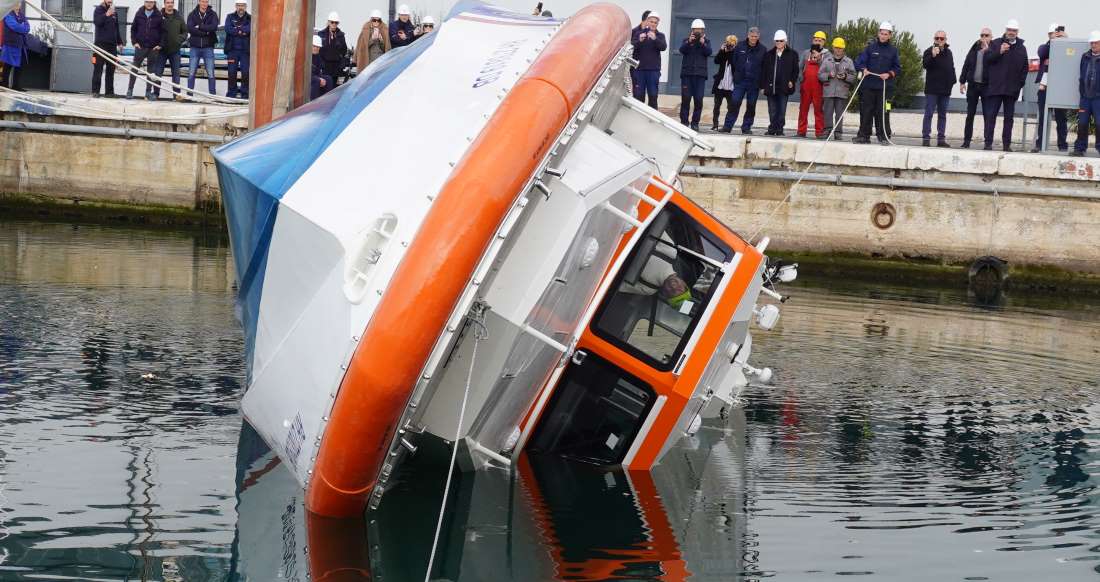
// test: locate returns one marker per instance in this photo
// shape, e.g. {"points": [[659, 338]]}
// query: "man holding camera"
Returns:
{"points": [[648, 45], [879, 63], [810, 86], [973, 82], [402, 31], [696, 52], [939, 66], [1007, 62], [1061, 121], [107, 39]]}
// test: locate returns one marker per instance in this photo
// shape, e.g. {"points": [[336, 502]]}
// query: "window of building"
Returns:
{"points": [[67, 9]]}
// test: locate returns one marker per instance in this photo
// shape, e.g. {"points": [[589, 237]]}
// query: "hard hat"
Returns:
{"points": [[1094, 36], [839, 43], [403, 10], [780, 35], [821, 34], [886, 26], [333, 17], [1012, 25], [654, 14], [1053, 27], [316, 41], [376, 14], [428, 20], [245, 2], [697, 23]]}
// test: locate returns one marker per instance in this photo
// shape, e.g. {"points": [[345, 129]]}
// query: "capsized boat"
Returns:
{"points": [[479, 240]]}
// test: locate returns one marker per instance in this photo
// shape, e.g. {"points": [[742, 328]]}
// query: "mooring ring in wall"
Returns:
{"points": [[883, 215]]}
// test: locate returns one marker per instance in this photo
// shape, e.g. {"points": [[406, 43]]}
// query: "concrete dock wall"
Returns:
{"points": [[1056, 225]]}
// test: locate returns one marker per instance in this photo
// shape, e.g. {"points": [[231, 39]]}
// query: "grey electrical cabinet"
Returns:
{"points": [[1063, 90], [71, 70]]}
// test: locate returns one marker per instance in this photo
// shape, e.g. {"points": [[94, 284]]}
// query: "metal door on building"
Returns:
{"points": [[800, 18]]}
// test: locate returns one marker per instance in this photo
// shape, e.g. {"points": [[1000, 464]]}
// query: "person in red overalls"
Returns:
{"points": [[810, 87]]}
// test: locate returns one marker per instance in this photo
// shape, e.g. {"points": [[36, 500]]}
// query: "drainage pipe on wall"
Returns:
{"points": [[114, 131], [887, 182]]}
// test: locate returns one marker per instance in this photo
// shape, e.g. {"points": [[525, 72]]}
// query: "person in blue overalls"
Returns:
{"points": [[13, 52], [238, 43], [1090, 96]]}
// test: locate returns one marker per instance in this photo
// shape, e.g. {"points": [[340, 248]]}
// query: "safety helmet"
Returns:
{"points": [[376, 14], [1012, 25], [698, 23], [403, 10], [839, 43], [821, 34], [428, 20], [333, 17], [1094, 36], [886, 26], [780, 35]]}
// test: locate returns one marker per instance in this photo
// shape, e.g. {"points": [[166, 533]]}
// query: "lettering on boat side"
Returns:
{"points": [[295, 436], [498, 61]]}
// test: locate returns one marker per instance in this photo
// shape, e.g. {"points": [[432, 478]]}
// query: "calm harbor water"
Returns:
{"points": [[910, 434]]}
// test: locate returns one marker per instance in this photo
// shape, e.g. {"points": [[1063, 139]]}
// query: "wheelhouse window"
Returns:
{"points": [[662, 289]]}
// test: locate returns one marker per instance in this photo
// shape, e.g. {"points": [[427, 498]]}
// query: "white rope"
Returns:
{"points": [[5, 531], [134, 71], [480, 333], [85, 111], [806, 170]]}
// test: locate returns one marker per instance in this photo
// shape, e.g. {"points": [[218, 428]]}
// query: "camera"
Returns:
{"points": [[815, 48]]}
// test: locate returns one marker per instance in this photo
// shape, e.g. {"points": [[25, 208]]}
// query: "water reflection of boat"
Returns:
{"points": [[539, 222]]}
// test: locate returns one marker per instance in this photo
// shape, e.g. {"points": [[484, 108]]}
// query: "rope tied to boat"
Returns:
{"points": [[476, 322]]}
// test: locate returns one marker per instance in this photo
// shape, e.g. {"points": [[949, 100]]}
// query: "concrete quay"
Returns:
{"points": [[945, 206]]}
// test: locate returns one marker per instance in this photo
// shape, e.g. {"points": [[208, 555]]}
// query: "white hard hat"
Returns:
{"points": [[316, 41], [886, 26], [333, 17], [428, 20], [245, 2], [1094, 36], [697, 23], [1053, 27], [780, 35], [376, 14], [654, 14], [403, 10], [1012, 25]]}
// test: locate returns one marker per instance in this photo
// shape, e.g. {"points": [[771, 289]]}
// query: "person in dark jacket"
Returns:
{"points": [[748, 58], [13, 51], [173, 33], [334, 48], [939, 66], [778, 75], [1089, 86], [633, 35], [1007, 61], [1061, 120], [202, 23], [648, 43], [695, 51], [722, 88], [145, 32], [880, 65], [320, 83], [973, 82], [107, 38], [402, 31], [238, 48]]}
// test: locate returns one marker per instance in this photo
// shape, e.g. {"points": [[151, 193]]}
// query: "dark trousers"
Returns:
{"points": [[743, 92], [102, 65], [974, 92], [1061, 124], [993, 105], [871, 111], [1089, 108], [334, 69], [9, 76], [691, 94], [149, 58], [935, 104], [720, 96], [164, 59], [777, 113], [646, 84], [315, 88], [238, 62]]}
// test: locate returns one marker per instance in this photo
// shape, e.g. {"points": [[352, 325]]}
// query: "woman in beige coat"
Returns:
{"points": [[374, 41]]}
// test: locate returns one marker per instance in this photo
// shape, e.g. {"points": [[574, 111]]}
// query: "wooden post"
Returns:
{"points": [[282, 50]]}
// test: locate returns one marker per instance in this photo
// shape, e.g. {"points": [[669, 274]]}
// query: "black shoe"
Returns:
{"points": [[942, 144], [1063, 148], [725, 130], [988, 147], [714, 128], [802, 135], [966, 145], [779, 133], [883, 141], [1008, 148], [96, 95], [861, 139], [1034, 150], [746, 132], [1077, 154], [695, 127], [924, 142]]}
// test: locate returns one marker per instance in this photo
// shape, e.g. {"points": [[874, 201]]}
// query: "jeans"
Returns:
{"points": [[721, 95], [646, 84], [993, 104], [1061, 124], [205, 55], [871, 111], [777, 113], [1089, 108], [691, 93], [749, 93], [238, 61], [834, 110], [165, 59], [974, 92], [932, 103], [98, 77], [150, 58]]}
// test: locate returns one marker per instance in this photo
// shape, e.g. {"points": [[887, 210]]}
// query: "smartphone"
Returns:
{"points": [[538, 7]]}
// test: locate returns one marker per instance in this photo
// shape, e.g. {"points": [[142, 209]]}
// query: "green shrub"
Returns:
{"points": [[857, 33]]}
